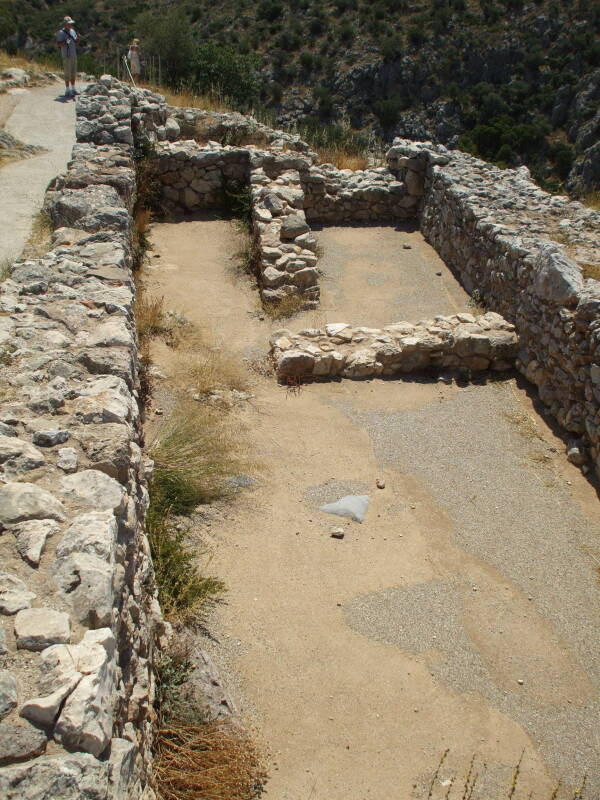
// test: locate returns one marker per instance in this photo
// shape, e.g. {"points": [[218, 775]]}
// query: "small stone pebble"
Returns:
{"points": [[337, 533], [438, 274], [407, 246], [159, 412], [380, 483]]}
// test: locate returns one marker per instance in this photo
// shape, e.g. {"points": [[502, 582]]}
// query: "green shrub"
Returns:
{"points": [[222, 69], [388, 110]]}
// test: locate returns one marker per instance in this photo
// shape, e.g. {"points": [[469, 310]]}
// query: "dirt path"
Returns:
{"points": [[39, 118], [461, 614]]}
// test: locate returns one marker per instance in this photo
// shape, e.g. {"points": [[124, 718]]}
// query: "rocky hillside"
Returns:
{"points": [[508, 81]]}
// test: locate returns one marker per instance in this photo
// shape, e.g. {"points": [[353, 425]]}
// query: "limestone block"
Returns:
{"points": [[121, 768], [272, 277], [75, 776], [31, 538], [172, 129], [295, 363], [94, 533], [361, 364], [557, 279], [86, 720], [8, 692], [38, 628], [112, 333], [17, 456], [293, 225], [14, 594], [93, 490], [87, 583], [105, 399]]}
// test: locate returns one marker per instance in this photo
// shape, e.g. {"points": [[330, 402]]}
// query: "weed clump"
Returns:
{"points": [[194, 452], [194, 757], [285, 308]]}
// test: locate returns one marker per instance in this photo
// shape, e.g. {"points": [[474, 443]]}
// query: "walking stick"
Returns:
{"points": [[129, 71]]}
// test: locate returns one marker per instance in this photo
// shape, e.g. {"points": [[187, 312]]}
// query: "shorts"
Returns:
{"points": [[70, 68]]}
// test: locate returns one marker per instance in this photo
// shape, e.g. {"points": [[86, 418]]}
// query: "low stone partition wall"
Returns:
{"points": [[340, 197], [286, 249], [78, 615], [510, 242], [460, 342]]}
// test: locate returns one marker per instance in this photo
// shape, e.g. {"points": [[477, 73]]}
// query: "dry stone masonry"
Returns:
{"points": [[531, 257], [460, 342], [77, 614]]}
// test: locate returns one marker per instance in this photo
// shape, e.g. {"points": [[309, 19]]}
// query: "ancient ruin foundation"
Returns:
{"points": [[79, 617]]}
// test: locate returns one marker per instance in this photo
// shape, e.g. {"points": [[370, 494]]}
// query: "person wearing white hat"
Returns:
{"points": [[67, 39], [135, 63]]}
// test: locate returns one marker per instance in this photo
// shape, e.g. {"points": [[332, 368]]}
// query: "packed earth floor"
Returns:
{"points": [[461, 614]]}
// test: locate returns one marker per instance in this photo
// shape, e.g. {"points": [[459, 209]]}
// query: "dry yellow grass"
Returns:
{"points": [[149, 314], [285, 308], [341, 159], [40, 237], [202, 365], [592, 200], [187, 99], [590, 270], [7, 61], [216, 761]]}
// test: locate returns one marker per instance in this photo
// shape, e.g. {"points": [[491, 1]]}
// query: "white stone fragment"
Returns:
{"points": [[75, 776], [94, 490], [31, 538], [86, 720], [94, 533], [67, 459], [14, 594], [22, 501], [38, 628]]}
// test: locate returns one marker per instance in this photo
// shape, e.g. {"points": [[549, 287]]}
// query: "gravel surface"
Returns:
{"points": [[482, 462]]}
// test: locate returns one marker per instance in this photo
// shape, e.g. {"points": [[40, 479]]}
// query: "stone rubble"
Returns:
{"points": [[78, 618], [462, 342]]}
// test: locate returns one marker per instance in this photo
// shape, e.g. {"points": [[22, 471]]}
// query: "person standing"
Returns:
{"points": [[135, 62], [67, 39]]}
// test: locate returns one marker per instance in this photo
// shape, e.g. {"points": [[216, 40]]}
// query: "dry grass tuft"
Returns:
{"points": [[590, 270], [187, 99], [285, 308], [201, 365], [342, 159], [592, 200], [216, 761], [149, 315], [40, 237], [195, 451]]}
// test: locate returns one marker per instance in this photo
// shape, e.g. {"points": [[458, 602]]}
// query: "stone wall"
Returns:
{"points": [[459, 342], [527, 255], [78, 616]]}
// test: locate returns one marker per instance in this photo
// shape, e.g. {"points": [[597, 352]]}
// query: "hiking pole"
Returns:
{"points": [[129, 71]]}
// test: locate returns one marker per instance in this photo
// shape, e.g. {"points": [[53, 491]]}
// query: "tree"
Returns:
{"points": [[169, 36]]}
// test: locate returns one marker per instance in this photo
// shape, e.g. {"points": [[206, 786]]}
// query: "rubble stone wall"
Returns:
{"points": [[526, 255], [78, 616], [460, 342]]}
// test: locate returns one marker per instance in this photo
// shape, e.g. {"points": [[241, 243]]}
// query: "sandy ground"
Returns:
{"points": [[461, 614], [40, 117]]}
